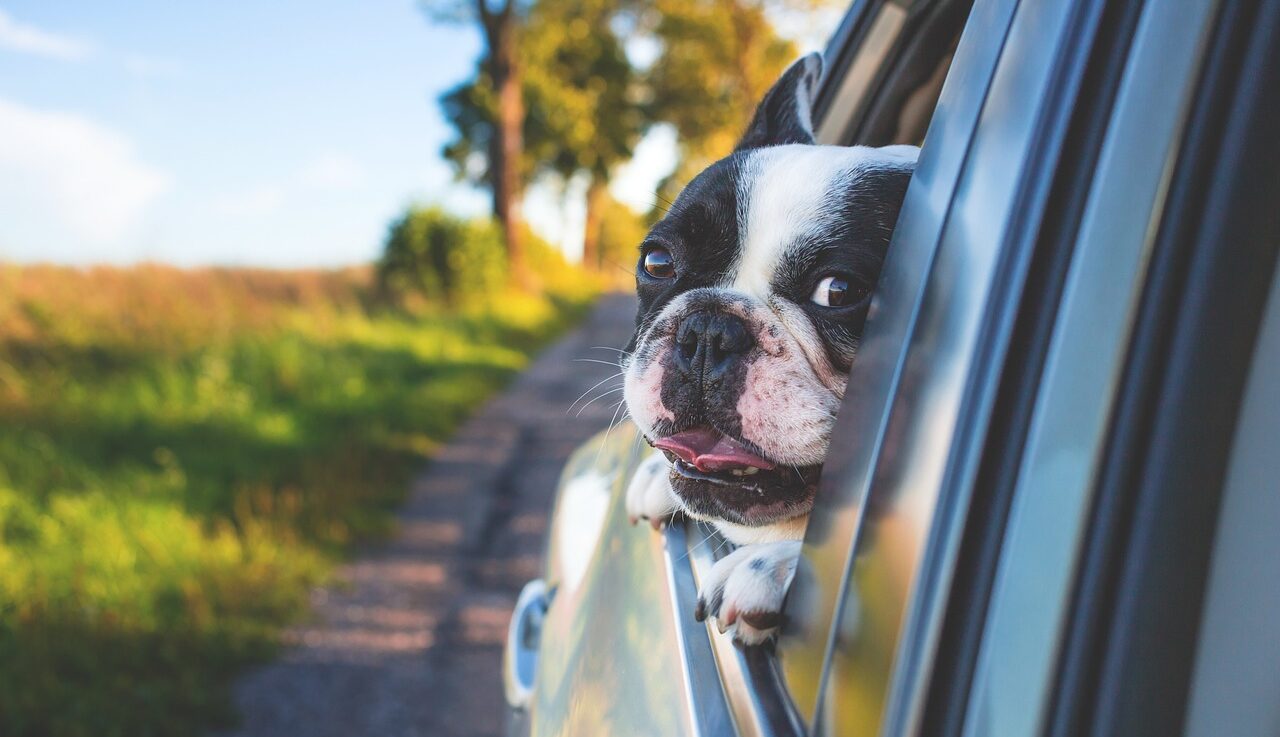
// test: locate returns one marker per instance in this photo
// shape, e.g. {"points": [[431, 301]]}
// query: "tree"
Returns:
{"points": [[581, 101], [500, 23], [717, 58], [585, 103]]}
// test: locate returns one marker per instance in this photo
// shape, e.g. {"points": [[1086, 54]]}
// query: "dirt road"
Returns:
{"points": [[409, 642]]}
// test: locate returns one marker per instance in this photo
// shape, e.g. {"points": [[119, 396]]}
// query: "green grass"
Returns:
{"points": [[183, 454]]}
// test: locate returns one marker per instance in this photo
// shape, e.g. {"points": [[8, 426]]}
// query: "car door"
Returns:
{"points": [[606, 642], [943, 565], [1019, 548], [865, 608]]}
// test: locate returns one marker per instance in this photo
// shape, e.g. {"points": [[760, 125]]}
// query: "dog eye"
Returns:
{"points": [[657, 262], [834, 291]]}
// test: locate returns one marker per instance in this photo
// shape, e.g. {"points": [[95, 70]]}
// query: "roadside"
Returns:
{"points": [[410, 641]]}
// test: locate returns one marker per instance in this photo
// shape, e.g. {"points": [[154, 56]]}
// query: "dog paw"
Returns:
{"points": [[649, 494], [745, 589]]}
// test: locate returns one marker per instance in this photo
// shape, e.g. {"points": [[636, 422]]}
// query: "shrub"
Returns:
{"points": [[433, 254], [434, 257]]}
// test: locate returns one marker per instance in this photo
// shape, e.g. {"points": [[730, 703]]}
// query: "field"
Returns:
{"points": [[184, 453]]}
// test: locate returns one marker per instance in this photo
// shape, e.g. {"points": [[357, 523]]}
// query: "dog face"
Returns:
{"points": [[753, 291]]}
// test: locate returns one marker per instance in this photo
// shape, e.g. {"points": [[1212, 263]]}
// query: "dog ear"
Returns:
{"points": [[784, 115]]}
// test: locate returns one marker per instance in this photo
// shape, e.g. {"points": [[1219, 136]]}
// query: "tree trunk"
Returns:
{"points": [[507, 146], [597, 198]]}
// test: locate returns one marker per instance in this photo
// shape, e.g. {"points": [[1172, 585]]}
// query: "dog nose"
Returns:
{"points": [[709, 343]]}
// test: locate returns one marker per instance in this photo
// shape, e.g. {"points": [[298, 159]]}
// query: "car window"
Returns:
{"points": [[1236, 679], [886, 65], [922, 391], [1013, 683], [1125, 658], [861, 433]]}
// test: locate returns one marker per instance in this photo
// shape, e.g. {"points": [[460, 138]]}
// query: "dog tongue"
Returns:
{"points": [[707, 450]]}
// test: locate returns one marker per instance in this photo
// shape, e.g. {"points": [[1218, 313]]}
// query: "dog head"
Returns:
{"points": [[753, 291]]}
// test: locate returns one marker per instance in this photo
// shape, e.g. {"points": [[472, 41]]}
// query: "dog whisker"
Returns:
{"points": [[720, 547], [609, 348], [614, 364], [602, 395], [605, 440], [580, 396], [705, 539]]}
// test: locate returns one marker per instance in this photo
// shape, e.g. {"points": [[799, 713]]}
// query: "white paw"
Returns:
{"points": [[649, 494], [745, 589]]}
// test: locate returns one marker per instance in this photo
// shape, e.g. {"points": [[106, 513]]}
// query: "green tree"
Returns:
{"points": [[584, 100], [581, 99], [717, 58], [500, 96]]}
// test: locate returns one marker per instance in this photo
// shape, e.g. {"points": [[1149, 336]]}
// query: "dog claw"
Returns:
{"points": [[762, 620]]}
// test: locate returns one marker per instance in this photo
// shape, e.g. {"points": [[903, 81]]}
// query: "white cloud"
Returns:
{"points": [[17, 36], [332, 171], [84, 176]]}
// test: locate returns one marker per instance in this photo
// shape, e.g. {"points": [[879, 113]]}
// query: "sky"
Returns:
{"points": [[282, 134]]}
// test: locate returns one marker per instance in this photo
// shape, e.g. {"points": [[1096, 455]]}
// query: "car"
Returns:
{"points": [[1050, 502]]}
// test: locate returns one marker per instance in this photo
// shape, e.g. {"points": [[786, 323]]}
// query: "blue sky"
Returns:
{"points": [[280, 133]]}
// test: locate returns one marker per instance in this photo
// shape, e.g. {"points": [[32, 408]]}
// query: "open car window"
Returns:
{"points": [[885, 69]]}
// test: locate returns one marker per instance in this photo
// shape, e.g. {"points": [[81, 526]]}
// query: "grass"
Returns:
{"points": [[184, 453]]}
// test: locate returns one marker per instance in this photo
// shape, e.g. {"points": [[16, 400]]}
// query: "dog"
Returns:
{"points": [[753, 291]]}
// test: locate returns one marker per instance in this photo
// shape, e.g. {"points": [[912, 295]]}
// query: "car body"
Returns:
{"points": [[1048, 500]]}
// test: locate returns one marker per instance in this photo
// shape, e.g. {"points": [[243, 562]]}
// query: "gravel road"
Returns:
{"points": [[409, 641]]}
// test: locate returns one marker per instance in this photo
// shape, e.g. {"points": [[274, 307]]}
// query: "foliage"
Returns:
{"points": [[586, 104], [500, 23], [582, 94], [621, 231], [718, 58], [581, 97], [434, 256], [184, 453], [582, 100]]}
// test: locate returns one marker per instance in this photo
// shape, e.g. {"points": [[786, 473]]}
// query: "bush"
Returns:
{"points": [[434, 257], [433, 254]]}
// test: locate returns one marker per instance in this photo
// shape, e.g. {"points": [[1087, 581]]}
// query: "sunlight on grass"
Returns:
{"points": [[185, 453]]}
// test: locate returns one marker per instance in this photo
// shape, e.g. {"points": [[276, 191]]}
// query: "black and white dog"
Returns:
{"points": [[753, 291]]}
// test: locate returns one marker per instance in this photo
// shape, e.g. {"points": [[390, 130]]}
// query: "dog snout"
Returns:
{"points": [[708, 344]]}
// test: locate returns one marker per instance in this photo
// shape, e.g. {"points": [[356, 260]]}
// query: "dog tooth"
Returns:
{"points": [[737, 472], [751, 470]]}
